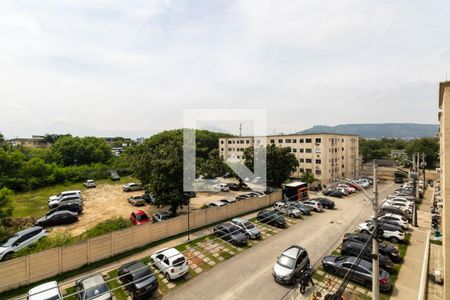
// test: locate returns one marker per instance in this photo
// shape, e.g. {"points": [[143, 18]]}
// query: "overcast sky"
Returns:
{"points": [[103, 67]]}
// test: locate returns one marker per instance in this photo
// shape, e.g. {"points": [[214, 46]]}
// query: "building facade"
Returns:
{"points": [[330, 157], [36, 141], [444, 135]]}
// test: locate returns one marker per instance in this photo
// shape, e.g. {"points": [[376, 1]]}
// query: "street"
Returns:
{"points": [[249, 274]]}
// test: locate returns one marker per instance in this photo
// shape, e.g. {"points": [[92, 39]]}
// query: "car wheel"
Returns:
{"points": [[7, 256], [168, 277], [365, 232], [368, 284], [292, 215], [394, 240]]}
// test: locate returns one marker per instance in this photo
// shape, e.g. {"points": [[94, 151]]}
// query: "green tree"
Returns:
{"points": [[70, 150], [5, 203], [308, 178], [158, 164], [429, 146], [280, 163], [212, 167], [51, 138]]}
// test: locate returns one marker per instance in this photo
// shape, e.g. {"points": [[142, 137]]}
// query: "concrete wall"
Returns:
{"points": [[28, 269], [444, 103]]}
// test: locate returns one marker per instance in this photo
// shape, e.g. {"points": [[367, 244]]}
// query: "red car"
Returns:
{"points": [[139, 217]]}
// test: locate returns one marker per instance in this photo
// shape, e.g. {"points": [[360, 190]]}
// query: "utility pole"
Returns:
{"points": [[375, 254], [240, 129]]}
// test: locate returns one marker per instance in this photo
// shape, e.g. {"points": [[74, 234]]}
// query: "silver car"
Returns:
{"points": [[290, 264], [20, 240], [250, 229], [289, 211], [93, 287]]}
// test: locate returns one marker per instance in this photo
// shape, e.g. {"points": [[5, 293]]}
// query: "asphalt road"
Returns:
{"points": [[248, 275]]}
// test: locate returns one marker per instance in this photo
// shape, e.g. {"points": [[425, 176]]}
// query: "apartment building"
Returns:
{"points": [[36, 141], [444, 119], [329, 157]]}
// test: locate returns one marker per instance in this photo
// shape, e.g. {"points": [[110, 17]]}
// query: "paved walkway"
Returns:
{"points": [[408, 281]]}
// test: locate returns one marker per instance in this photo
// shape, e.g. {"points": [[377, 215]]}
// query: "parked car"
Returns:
{"points": [[256, 194], [73, 206], [305, 210], [314, 205], [398, 219], [271, 217], [161, 216], [290, 264], [384, 248], [326, 203], [389, 209], [251, 230], [131, 186], [56, 202], [289, 211], [228, 200], [45, 291], [358, 270], [20, 240], [139, 217], [115, 176], [364, 251], [390, 232], [65, 194], [398, 179], [231, 233], [170, 262], [233, 186], [333, 193], [139, 279], [57, 218], [221, 187], [404, 207], [217, 204], [90, 183], [149, 198], [269, 190], [242, 197], [137, 200], [92, 287]]}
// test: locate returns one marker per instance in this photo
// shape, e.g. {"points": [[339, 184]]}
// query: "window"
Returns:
{"points": [[294, 140], [308, 160], [280, 141], [302, 170], [288, 140], [308, 140], [272, 141], [308, 150], [318, 140], [342, 148], [229, 142], [221, 142], [302, 150], [317, 150], [301, 141], [318, 161], [308, 171], [247, 142], [221, 149], [302, 160], [318, 172], [294, 150]]}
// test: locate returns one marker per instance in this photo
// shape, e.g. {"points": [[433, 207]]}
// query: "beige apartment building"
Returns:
{"points": [[330, 157], [444, 119]]}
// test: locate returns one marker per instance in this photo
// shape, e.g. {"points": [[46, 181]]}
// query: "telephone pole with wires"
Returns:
{"points": [[375, 249]]}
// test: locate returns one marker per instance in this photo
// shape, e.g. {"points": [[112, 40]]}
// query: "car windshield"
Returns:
{"points": [[178, 262], [9, 241], [286, 261], [248, 225], [95, 291]]}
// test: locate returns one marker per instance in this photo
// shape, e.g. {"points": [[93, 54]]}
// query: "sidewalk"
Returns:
{"points": [[408, 280]]}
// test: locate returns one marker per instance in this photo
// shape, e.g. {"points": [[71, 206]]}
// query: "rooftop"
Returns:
{"points": [[291, 134]]}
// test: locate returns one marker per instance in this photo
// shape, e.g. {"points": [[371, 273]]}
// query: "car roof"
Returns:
{"points": [[169, 252], [239, 220], [74, 191], [293, 251], [60, 212], [139, 212], [44, 291], [92, 281], [28, 230]]}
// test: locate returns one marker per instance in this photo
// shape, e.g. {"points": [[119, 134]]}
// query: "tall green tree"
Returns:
{"points": [[308, 178], [212, 167], [5, 203], [429, 146], [70, 150], [280, 163]]}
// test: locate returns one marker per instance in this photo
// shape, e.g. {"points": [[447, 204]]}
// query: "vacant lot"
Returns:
{"points": [[100, 204]]}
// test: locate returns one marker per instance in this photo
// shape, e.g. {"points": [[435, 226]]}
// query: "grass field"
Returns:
{"points": [[34, 203]]}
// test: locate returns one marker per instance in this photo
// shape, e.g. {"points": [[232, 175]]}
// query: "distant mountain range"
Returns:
{"points": [[381, 130]]}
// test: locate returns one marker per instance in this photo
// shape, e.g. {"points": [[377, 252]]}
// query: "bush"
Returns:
{"points": [[113, 224]]}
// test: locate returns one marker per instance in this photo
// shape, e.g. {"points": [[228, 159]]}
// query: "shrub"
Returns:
{"points": [[113, 224]]}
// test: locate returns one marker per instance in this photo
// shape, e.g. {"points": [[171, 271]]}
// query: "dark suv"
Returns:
{"points": [[139, 279], [355, 249], [385, 249], [272, 218], [231, 233], [326, 203], [73, 206]]}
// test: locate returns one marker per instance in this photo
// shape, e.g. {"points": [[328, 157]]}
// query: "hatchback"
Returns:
{"points": [[170, 262], [271, 218], [290, 264], [139, 217], [249, 228], [231, 233], [365, 252], [92, 287], [139, 279], [131, 186], [314, 205], [161, 216]]}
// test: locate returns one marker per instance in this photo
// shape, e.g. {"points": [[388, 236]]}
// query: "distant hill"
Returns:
{"points": [[381, 130]]}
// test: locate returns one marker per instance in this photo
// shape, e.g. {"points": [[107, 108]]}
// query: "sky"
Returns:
{"points": [[105, 67]]}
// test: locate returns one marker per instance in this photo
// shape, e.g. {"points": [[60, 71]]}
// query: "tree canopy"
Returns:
{"points": [[429, 146], [70, 150]]}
